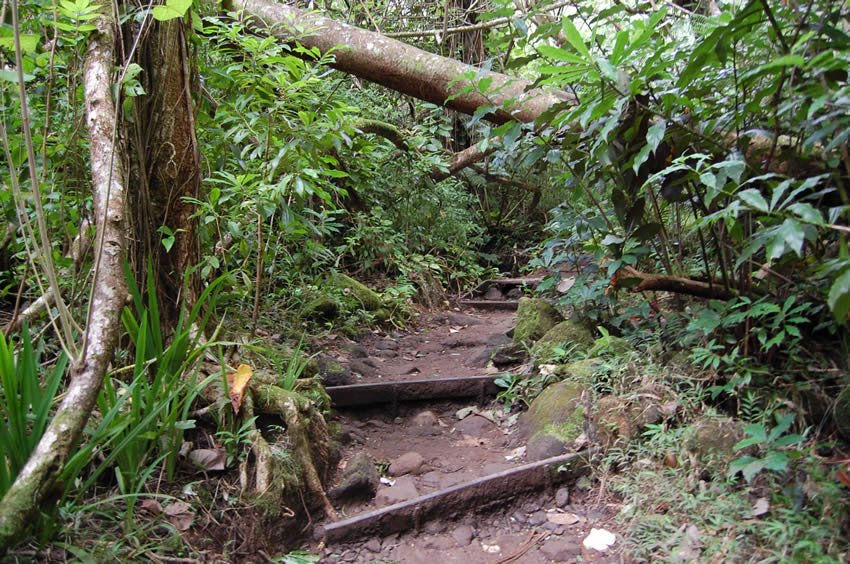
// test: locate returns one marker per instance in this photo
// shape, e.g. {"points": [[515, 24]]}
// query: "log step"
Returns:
{"points": [[474, 495], [479, 387]]}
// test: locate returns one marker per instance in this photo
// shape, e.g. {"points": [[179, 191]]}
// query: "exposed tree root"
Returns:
{"points": [[309, 442]]}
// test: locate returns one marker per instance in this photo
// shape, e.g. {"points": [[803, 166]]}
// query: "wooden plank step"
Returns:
{"points": [[474, 495], [479, 387]]}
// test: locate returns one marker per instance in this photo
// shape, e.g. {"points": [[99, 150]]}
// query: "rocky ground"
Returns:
{"points": [[393, 455]]}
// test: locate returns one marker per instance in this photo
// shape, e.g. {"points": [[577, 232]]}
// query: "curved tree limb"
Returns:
{"points": [[463, 159], [402, 67], [674, 284], [386, 130], [38, 476]]}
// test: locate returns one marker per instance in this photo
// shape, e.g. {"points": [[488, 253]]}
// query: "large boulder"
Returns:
{"points": [[579, 370], [711, 441], [342, 295], [841, 413], [563, 334], [534, 318], [555, 419]]}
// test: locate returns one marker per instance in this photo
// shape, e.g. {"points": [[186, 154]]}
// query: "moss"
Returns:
{"points": [[534, 318], [367, 298], [841, 413], [579, 371], [558, 412], [567, 331], [568, 430], [711, 440]]}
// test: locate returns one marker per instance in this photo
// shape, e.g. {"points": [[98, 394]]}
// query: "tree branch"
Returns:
{"points": [[674, 284], [38, 476]]}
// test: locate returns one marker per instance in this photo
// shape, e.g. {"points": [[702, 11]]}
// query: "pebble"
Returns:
{"points": [[560, 550], [373, 545], [562, 497], [531, 507], [519, 517], [407, 463], [537, 518], [435, 527]]}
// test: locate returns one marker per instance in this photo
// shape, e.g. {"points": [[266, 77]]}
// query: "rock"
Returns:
{"points": [[562, 497], [360, 366], [560, 550], [555, 416], [711, 441], [387, 345], [386, 354], [359, 479], [542, 446], [426, 424], [519, 517], [616, 421], [509, 354], [322, 308], [841, 413], [537, 518], [493, 293], [403, 489], [475, 426], [463, 535], [562, 335], [456, 341], [332, 372], [514, 293], [534, 317], [373, 545], [531, 507], [407, 463]]}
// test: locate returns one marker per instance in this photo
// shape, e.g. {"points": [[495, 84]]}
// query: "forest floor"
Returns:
{"points": [[424, 447]]}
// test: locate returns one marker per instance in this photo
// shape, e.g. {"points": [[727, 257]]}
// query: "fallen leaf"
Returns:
{"points": [[208, 459], [760, 507], [237, 382], [843, 477], [180, 515], [563, 518], [599, 540], [151, 506]]}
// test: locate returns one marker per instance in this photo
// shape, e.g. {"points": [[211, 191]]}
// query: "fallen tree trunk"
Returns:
{"points": [[402, 67], [674, 284], [38, 476]]}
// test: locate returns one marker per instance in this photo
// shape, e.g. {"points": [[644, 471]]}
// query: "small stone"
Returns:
{"points": [[562, 497], [519, 517], [386, 345], [560, 550], [463, 535], [425, 418], [493, 293], [386, 354], [537, 518], [359, 480], [349, 556], [373, 545], [407, 463], [531, 507]]}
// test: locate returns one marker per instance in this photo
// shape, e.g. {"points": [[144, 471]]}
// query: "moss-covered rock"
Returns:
{"points": [[567, 331], [578, 371], [711, 442], [367, 298], [332, 372], [616, 421], [841, 413], [323, 308], [555, 419], [534, 318]]}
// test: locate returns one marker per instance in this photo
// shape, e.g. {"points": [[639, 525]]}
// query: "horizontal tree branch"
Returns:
{"points": [[673, 284]]}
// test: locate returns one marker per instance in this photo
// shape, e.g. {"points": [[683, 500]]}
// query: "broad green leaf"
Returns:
{"points": [[654, 136], [29, 43], [558, 54], [574, 38], [172, 9], [754, 200], [839, 297]]}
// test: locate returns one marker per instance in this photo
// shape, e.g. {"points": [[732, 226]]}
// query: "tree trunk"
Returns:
{"points": [[166, 168], [402, 67], [38, 476]]}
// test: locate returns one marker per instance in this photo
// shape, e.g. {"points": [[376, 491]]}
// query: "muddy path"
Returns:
{"points": [[447, 479]]}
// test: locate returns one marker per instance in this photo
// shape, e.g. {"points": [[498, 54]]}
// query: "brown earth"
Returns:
{"points": [[442, 444]]}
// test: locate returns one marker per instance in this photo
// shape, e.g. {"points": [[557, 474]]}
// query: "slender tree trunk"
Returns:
{"points": [[402, 67], [38, 476]]}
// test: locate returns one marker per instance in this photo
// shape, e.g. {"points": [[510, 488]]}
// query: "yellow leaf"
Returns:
{"points": [[237, 382]]}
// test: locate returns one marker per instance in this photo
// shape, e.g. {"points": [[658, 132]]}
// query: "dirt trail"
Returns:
{"points": [[425, 447]]}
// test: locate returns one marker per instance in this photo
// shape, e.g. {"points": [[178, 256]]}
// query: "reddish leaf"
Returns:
{"points": [[238, 383]]}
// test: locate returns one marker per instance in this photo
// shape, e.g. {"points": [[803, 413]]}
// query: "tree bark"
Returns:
{"points": [[38, 476], [167, 167], [463, 159], [674, 284], [402, 67]]}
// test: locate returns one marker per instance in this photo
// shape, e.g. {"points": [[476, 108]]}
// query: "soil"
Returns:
{"points": [[442, 444]]}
